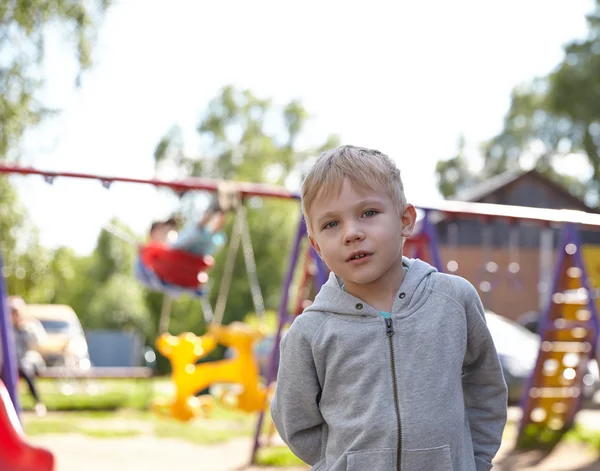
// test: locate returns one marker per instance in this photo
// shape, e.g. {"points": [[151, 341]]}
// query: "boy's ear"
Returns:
{"points": [[314, 245], [409, 218]]}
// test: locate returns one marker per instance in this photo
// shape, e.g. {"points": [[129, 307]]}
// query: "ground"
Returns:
{"points": [[76, 452], [136, 439]]}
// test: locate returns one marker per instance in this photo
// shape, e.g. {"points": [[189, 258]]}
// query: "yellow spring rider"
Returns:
{"points": [[184, 350]]}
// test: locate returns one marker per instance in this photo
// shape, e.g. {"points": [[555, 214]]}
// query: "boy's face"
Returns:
{"points": [[359, 234]]}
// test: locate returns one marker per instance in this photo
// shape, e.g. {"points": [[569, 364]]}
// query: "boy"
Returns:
{"points": [[392, 367]]}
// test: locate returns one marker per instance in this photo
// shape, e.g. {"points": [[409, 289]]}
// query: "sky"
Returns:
{"points": [[403, 77]]}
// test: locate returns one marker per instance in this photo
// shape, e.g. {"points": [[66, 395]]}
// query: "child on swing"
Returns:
{"points": [[392, 367], [200, 238]]}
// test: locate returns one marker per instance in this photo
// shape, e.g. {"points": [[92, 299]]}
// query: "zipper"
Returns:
{"points": [[389, 330]]}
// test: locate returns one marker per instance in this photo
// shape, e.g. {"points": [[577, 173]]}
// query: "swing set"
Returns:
{"points": [[569, 330]]}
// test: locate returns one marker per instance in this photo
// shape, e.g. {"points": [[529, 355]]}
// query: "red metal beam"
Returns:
{"points": [[448, 208], [189, 184]]}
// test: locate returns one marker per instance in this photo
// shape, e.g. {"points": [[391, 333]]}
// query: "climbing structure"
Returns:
{"points": [[568, 330]]}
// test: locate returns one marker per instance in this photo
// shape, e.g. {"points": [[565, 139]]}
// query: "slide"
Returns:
{"points": [[15, 453]]}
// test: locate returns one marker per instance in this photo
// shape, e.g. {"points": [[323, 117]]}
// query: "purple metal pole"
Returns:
{"points": [[9, 359], [322, 271], [283, 319], [434, 247]]}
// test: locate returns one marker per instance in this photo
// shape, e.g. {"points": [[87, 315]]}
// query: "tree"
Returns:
{"points": [[95, 278], [23, 27], [118, 304], [247, 138], [113, 254], [554, 117], [25, 260], [454, 174]]}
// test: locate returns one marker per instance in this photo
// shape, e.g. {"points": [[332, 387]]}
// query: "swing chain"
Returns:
{"points": [[240, 235], [225, 284], [257, 297]]}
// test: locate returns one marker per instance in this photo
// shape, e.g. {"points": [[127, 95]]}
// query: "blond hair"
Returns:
{"points": [[365, 168]]}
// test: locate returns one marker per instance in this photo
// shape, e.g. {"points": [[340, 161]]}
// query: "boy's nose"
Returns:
{"points": [[353, 234]]}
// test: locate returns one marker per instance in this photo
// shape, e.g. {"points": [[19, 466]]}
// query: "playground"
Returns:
{"points": [[215, 412]]}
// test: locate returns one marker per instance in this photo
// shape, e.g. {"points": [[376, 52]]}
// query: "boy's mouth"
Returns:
{"points": [[358, 256]]}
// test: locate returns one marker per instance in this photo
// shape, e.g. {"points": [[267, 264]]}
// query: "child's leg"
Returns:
{"points": [[28, 377]]}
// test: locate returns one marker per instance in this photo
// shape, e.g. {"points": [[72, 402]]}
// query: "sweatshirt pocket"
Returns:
{"points": [[428, 459], [371, 460]]}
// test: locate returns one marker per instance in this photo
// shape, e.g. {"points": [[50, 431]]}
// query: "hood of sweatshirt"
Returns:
{"points": [[332, 298]]}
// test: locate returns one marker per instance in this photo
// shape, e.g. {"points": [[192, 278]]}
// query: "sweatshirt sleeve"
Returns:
{"points": [[294, 408], [484, 387]]}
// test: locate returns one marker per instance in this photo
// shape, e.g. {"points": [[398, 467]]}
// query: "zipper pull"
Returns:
{"points": [[389, 330]]}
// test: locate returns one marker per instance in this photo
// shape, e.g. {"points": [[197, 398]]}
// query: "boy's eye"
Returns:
{"points": [[369, 213], [330, 224]]}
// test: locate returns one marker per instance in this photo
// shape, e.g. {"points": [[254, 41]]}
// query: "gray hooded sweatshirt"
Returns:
{"points": [[422, 391]]}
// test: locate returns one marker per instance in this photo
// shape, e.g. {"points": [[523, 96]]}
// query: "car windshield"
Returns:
{"points": [[56, 327]]}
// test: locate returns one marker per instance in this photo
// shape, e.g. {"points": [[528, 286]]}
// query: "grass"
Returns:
{"points": [[76, 423], [98, 395], [119, 409], [125, 424], [197, 434], [581, 435], [279, 456]]}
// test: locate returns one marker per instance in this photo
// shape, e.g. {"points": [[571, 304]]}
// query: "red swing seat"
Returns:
{"points": [[176, 267]]}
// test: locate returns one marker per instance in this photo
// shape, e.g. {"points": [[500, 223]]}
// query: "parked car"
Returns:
{"points": [[518, 349], [65, 343]]}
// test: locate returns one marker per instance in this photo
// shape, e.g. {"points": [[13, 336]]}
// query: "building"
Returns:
{"points": [[512, 266]]}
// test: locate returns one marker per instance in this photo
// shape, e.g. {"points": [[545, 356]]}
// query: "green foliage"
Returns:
{"points": [[23, 27], [30, 270], [118, 304], [112, 254], [25, 260], [268, 322], [453, 174]]}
